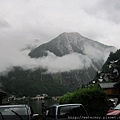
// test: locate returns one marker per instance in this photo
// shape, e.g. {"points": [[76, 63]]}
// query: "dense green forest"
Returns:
{"points": [[27, 82], [21, 82]]}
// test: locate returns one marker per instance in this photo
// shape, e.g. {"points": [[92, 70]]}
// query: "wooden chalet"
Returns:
{"points": [[112, 89]]}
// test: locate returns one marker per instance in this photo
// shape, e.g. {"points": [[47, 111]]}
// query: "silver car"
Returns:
{"points": [[17, 112], [65, 112]]}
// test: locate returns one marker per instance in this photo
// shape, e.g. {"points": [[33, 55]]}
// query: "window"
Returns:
{"points": [[51, 112], [73, 110], [12, 110]]}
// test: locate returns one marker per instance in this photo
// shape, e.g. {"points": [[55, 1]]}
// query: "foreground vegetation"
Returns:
{"points": [[93, 98]]}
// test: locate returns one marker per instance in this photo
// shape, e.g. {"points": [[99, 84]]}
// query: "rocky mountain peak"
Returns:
{"points": [[71, 34], [71, 37], [67, 43]]}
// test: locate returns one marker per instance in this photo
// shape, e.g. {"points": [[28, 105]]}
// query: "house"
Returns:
{"points": [[39, 97], [111, 89]]}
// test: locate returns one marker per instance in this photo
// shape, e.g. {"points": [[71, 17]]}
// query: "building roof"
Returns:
{"points": [[107, 85]]}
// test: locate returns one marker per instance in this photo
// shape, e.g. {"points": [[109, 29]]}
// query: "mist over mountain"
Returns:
{"points": [[61, 65], [75, 47]]}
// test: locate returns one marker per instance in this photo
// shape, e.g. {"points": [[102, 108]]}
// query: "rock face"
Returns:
{"points": [[67, 43]]}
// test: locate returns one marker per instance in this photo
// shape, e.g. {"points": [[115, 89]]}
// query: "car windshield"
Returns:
{"points": [[13, 110], [117, 107], [75, 110]]}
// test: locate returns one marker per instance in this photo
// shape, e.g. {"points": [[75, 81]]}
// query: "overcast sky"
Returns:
{"points": [[26, 21]]}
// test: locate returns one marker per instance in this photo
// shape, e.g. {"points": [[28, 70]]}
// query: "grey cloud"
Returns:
{"points": [[23, 21], [106, 9], [112, 7], [4, 24]]}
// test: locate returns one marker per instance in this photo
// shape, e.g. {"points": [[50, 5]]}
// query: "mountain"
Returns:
{"points": [[67, 43], [91, 55]]}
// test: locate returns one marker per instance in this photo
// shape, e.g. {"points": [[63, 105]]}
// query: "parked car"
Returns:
{"points": [[114, 110], [17, 112], [65, 111]]}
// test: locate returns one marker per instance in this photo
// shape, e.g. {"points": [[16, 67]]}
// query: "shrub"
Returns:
{"points": [[66, 98], [93, 99]]}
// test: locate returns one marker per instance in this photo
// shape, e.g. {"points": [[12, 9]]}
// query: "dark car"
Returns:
{"points": [[65, 111], [114, 110], [17, 112]]}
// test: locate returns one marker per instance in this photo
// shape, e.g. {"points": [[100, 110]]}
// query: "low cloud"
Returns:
{"points": [[52, 63], [68, 62]]}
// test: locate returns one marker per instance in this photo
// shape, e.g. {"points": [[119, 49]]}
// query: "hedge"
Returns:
{"points": [[93, 99]]}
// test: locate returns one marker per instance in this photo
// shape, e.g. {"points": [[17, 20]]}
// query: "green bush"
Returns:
{"points": [[67, 98], [93, 99]]}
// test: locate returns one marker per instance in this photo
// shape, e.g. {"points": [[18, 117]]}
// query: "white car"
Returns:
{"points": [[65, 111]]}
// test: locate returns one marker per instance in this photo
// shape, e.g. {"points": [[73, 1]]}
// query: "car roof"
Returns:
{"points": [[21, 105], [59, 105]]}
